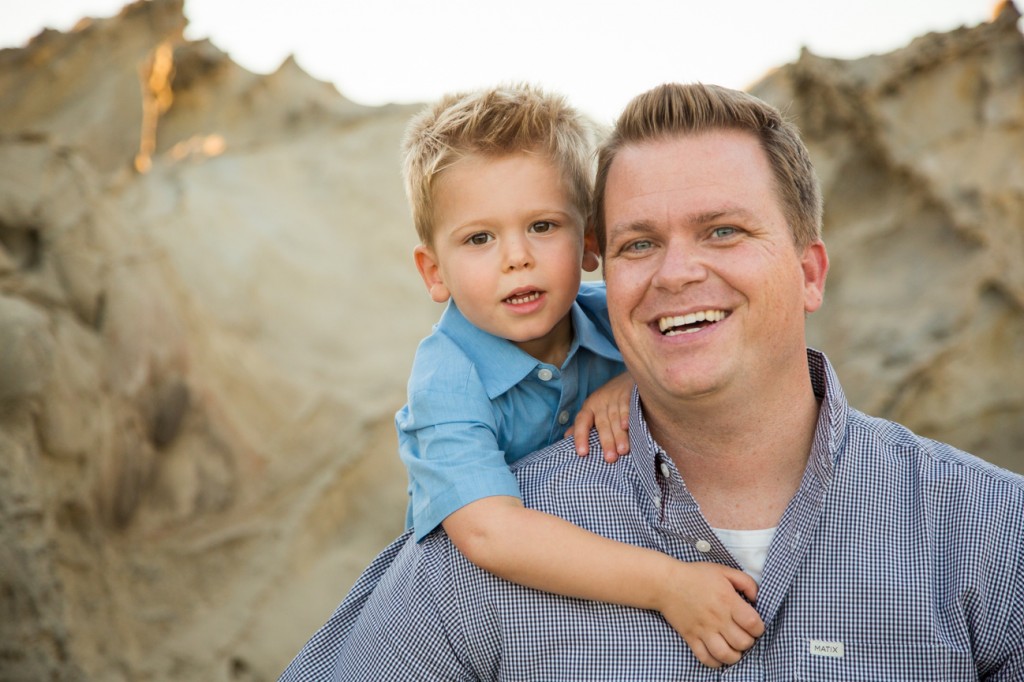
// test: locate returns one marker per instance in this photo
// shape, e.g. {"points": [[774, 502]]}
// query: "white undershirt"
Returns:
{"points": [[749, 547]]}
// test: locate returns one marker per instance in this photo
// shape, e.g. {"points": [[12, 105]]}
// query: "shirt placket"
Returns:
{"points": [[564, 384], [681, 520]]}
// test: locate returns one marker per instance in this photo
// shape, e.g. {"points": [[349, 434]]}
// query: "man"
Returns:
{"points": [[880, 555]]}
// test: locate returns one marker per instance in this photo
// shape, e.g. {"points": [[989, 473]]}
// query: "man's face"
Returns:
{"points": [[706, 291]]}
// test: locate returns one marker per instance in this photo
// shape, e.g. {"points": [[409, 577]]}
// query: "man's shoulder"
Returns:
{"points": [[548, 458], [557, 480], [932, 460]]}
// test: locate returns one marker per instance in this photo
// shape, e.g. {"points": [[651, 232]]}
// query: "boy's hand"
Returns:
{"points": [[607, 409], [702, 602]]}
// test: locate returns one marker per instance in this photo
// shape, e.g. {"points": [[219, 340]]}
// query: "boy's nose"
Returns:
{"points": [[517, 255]]}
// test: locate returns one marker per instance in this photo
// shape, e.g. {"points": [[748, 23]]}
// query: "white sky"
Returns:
{"points": [[598, 53]]}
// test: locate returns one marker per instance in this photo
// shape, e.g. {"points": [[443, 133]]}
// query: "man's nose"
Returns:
{"points": [[680, 265]]}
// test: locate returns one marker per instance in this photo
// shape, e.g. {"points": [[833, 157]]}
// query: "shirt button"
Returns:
{"points": [[657, 502], [703, 546], [563, 418], [664, 470], [545, 374]]}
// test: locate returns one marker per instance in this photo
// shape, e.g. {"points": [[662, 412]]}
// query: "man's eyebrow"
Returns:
{"points": [[705, 217], [638, 227], [699, 218]]}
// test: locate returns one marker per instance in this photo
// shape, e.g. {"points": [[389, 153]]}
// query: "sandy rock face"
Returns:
{"points": [[208, 311], [199, 364], [919, 153]]}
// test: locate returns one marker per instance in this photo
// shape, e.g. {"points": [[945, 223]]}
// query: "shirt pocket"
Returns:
{"points": [[852, 661]]}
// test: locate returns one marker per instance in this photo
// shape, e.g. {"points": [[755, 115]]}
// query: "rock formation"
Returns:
{"points": [[919, 152], [208, 310], [198, 364]]}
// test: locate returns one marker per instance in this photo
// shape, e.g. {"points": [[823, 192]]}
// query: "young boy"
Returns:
{"points": [[499, 182]]}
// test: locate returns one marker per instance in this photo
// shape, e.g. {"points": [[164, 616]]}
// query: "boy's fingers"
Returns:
{"points": [[606, 433], [610, 449], [621, 437], [621, 421], [623, 408], [749, 620], [722, 652], [745, 616], [582, 439], [743, 584], [701, 652], [738, 638], [580, 430]]}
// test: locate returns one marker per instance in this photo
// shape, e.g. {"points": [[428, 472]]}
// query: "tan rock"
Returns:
{"points": [[919, 154], [208, 311]]}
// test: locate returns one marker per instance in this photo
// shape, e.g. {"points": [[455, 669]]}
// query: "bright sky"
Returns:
{"points": [[598, 53]]}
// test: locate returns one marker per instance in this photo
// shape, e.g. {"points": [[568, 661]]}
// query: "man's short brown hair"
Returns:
{"points": [[673, 110]]}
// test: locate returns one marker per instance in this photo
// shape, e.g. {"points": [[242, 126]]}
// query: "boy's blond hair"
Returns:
{"points": [[495, 122]]}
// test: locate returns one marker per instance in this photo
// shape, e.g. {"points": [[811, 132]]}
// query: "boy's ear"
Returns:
{"points": [[430, 271], [591, 259]]}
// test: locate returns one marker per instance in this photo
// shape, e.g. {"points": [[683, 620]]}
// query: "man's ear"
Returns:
{"points": [[814, 264], [591, 259], [430, 271]]}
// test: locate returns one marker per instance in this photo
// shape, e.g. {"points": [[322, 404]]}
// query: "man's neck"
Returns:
{"points": [[742, 460]]}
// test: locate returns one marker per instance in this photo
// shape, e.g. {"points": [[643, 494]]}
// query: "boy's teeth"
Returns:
{"points": [[524, 298], [670, 323]]}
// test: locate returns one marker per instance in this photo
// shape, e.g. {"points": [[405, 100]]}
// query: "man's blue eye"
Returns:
{"points": [[642, 245], [724, 231]]}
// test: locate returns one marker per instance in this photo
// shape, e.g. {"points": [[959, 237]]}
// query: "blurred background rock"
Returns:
{"points": [[208, 310]]}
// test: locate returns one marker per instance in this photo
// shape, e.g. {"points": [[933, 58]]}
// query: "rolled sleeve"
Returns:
{"points": [[448, 443]]}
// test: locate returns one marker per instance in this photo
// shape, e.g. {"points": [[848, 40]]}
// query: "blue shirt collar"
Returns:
{"points": [[500, 363]]}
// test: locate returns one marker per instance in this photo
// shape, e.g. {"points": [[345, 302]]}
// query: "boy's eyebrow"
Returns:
{"points": [[556, 211], [533, 215]]}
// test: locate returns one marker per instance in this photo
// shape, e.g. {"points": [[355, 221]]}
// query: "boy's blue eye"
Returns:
{"points": [[478, 239]]}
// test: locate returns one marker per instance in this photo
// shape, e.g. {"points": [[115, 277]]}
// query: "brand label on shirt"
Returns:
{"points": [[823, 648]]}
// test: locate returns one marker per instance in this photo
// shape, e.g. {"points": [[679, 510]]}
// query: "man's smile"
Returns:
{"points": [[690, 322]]}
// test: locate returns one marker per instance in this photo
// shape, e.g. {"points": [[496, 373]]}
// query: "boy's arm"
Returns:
{"points": [[447, 437], [548, 553]]}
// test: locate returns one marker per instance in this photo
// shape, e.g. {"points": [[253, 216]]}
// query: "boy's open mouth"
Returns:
{"points": [[691, 322], [523, 297]]}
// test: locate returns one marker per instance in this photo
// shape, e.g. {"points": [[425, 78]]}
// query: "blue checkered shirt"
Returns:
{"points": [[899, 558]]}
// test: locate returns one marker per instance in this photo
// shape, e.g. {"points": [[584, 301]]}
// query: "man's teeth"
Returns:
{"points": [[669, 325], [523, 298]]}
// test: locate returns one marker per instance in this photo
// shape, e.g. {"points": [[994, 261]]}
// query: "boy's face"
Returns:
{"points": [[508, 247]]}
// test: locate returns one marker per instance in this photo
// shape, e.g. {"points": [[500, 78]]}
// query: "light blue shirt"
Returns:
{"points": [[477, 403], [899, 558]]}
